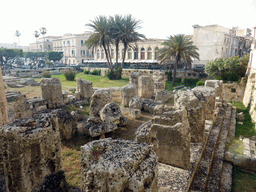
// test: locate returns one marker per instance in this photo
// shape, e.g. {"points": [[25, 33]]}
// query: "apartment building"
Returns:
{"points": [[214, 41]]}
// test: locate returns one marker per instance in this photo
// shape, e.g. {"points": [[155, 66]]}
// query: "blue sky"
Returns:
{"points": [[160, 18]]}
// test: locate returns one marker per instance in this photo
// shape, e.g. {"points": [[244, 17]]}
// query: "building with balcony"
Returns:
{"points": [[214, 41]]}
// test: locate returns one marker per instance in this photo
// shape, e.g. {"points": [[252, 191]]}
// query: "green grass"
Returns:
{"points": [[243, 180], [248, 127], [97, 81]]}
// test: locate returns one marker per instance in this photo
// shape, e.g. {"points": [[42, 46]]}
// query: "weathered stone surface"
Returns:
{"points": [[78, 116], [146, 103], [118, 165], [173, 144], [146, 87], [66, 123], [134, 113], [206, 96], [196, 114], [142, 134], [98, 100], [111, 112], [136, 103], [95, 129], [159, 81], [250, 85], [22, 107], [84, 87], [240, 116], [3, 103], [32, 149], [51, 91], [134, 79], [55, 182], [29, 81], [217, 85], [164, 96], [127, 93]]}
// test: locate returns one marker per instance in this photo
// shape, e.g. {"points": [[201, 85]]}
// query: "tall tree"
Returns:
{"points": [[54, 56], [100, 37], [43, 31], [129, 34], [36, 34], [178, 47]]}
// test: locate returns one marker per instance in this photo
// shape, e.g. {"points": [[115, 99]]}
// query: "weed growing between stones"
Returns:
{"points": [[96, 151]]}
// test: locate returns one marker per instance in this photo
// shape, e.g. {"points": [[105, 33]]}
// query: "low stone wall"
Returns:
{"points": [[3, 102], [189, 74]]}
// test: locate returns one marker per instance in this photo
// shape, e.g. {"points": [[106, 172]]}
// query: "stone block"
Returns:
{"points": [[165, 96], [142, 134], [66, 123], [118, 165], [98, 100], [127, 93], [84, 87], [95, 129], [146, 87], [136, 103], [111, 112], [32, 151], [173, 144], [52, 92], [134, 113], [3, 103]]}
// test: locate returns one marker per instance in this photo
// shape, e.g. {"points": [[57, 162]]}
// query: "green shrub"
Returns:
{"points": [[86, 72], [200, 83], [95, 72], [115, 74], [69, 74], [46, 74], [190, 82]]}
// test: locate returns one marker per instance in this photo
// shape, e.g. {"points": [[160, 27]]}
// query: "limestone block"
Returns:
{"points": [[3, 103], [250, 85], [98, 100], [78, 95], [127, 93], [196, 114], [142, 134], [173, 144], [134, 113], [111, 112], [84, 87], [95, 129], [206, 96], [134, 79], [217, 85], [240, 116], [22, 107], [146, 103], [146, 87], [66, 123], [32, 149], [51, 91], [136, 103], [118, 165], [164, 96]]}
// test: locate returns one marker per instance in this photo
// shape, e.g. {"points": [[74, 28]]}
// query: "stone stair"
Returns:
{"points": [[207, 173]]}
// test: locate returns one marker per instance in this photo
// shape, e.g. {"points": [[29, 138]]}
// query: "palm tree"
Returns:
{"points": [[36, 34], [43, 31], [178, 47], [17, 34], [100, 37], [129, 34], [116, 25]]}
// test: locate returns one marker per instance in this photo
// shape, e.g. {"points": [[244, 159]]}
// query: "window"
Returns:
{"points": [[83, 52], [87, 53], [73, 52], [82, 42], [136, 54], [49, 47], [156, 53], [142, 53], [68, 42], [129, 53], [149, 53]]}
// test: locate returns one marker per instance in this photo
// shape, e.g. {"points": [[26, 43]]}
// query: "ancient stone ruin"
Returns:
{"points": [[3, 103], [118, 165], [180, 148]]}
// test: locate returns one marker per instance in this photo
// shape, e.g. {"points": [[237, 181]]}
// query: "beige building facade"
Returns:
{"points": [[43, 44], [214, 41]]}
